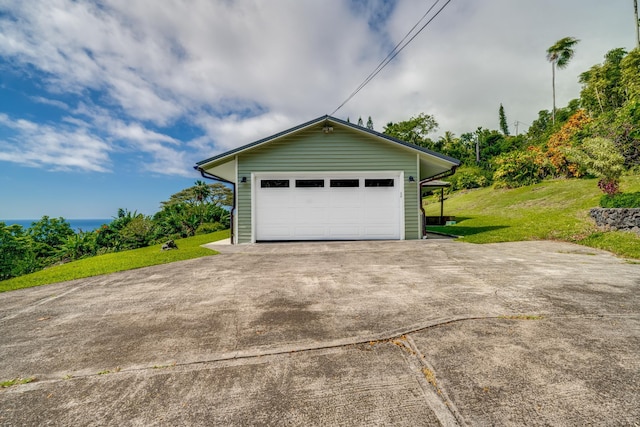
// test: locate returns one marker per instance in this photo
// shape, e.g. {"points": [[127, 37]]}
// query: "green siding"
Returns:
{"points": [[343, 150]]}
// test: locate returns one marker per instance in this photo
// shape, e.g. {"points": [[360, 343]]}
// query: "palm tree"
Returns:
{"points": [[559, 55], [446, 141], [201, 191]]}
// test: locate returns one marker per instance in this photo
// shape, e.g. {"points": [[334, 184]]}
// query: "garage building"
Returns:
{"points": [[327, 179]]}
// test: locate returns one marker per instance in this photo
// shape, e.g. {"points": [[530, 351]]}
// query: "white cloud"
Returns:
{"points": [[231, 132], [240, 71], [52, 102], [39, 145], [88, 145], [153, 151], [476, 55]]}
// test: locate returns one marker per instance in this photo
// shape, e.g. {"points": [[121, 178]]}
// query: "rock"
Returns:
{"points": [[616, 218], [168, 245]]}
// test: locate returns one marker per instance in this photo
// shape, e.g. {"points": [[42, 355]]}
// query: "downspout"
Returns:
{"points": [[424, 181], [208, 175], [442, 206]]}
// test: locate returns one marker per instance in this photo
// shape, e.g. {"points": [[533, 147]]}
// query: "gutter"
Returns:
{"points": [[208, 175], [424, 181]]}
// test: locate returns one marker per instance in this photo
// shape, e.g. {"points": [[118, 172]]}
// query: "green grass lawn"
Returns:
{"points": [[118, 261], [553, 210]]}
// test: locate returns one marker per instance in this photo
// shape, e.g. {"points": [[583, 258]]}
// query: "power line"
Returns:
{"points": [[382, 63], [394, 52]]}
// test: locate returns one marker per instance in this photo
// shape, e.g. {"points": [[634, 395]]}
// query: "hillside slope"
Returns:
{"points": [[555, 210]]}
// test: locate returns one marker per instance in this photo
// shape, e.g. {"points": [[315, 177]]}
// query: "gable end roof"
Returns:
{"points": [[324, 119]]}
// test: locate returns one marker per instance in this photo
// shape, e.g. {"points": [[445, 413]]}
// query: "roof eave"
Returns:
{"points": [[223, 156]]}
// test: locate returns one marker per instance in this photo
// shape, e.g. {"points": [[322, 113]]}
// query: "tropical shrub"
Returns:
{"points": [[137, 233], [622, 127], [184, 212], [16, 252], [561, 142], [600, 157], [469, 177], [210, 227], [518, 168], [80, 245], [611, 95], [110, 235], [48, 235], [620, 200]]}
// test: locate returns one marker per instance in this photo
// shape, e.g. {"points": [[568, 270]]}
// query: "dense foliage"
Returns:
{"points": [[620, 200], [518, 168], [416, 130], [597, 135], [468, 177], [200, 209]]}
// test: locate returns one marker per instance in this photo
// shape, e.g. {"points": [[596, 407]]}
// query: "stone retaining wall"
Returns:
{"points": [[617, 218]]}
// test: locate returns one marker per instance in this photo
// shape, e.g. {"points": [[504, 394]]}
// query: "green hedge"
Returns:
{"points": [[620, 200]]}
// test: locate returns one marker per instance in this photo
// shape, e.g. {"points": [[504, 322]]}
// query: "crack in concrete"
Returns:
{"points": [[446, 410], [388, 336]]}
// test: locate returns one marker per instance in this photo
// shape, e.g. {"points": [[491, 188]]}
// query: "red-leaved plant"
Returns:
{"points": [[609, 186]]}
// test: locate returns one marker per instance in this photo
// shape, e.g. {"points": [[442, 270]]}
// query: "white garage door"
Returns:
{"points": [[365, 206]]}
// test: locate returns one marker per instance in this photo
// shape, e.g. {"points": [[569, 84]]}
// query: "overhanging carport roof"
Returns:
{"points": [[435, 184]]}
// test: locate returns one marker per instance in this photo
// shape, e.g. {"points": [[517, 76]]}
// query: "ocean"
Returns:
{"points": [[76, 224]]}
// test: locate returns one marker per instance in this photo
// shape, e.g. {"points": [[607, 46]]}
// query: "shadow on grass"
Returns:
{"points": [[461, 230]]}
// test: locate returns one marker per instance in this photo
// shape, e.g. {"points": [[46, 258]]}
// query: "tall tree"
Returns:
{"points": [[16, 252], [414, 130], [48, 235], [503, 121], [186, 210], [630, 71], [370, 123], [202, 191], [603, 89], [447, 140], [217, 194], [635, 15], [611, 95], [458, 148], [559, 55]]}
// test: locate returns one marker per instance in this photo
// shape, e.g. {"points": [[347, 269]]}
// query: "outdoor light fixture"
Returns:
{"points": [[243, 179], [412, 179], [327, 129]]}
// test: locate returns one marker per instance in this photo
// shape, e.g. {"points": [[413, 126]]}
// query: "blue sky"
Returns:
{"points": [[107, 105]]}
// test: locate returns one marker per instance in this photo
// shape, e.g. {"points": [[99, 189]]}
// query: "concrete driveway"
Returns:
{"points": [[355, 333]]}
